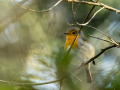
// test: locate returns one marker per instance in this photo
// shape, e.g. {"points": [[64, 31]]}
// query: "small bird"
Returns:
{"points": [[82, 48]]}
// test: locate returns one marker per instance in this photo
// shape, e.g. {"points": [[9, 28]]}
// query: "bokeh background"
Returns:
{"points": [[31, 43]]}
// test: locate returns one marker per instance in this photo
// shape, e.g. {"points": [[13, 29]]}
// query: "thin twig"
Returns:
{"points": [[16, 83], [73, 11], [101, 39], [97, 55], [113, 41], [74, 75], [88, 16], [91, 17], [37, 10]]}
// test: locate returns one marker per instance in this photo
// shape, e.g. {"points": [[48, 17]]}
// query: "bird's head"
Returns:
{"points": [[71, 33], [70, 36]]}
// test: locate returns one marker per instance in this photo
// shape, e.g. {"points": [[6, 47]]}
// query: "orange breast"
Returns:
{"points": [[69, 41]]}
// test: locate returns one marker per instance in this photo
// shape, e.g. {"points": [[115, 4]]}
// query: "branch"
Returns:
{"points": [[88, 15], [101, 39], [112, 40], [97, 4], [73, 11], [39, 11], [91, 17], [74, 75], [16, 83], [97, 55]]}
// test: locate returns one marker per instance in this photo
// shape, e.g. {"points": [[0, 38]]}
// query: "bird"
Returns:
{"points": [[82, 48]]}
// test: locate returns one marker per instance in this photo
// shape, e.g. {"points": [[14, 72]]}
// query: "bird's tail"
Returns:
{"points": [[88, 73]]}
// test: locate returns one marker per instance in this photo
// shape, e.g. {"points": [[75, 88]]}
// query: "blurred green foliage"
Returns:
{"points": [[32, 45]]}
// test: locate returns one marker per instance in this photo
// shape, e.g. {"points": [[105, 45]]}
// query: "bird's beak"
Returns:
{"points": [[66, 33]]}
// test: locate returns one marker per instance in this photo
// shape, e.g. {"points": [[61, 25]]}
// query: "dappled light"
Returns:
{"points": [[32, 53]]}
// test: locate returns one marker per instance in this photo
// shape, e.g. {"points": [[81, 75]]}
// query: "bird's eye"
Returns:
{"points": [[73, 33]]}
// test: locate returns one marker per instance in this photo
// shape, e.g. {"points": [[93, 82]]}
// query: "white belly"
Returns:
{"points": [[83, 53]]}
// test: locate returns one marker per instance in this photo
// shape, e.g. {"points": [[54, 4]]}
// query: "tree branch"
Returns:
{"points": [[97, 4], [91, 17], [39, 11], [96, 56], [88, 15], [101, 39], [16, 83]]}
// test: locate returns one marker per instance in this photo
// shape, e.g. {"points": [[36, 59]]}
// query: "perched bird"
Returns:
{"points": [[82, 48]]}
